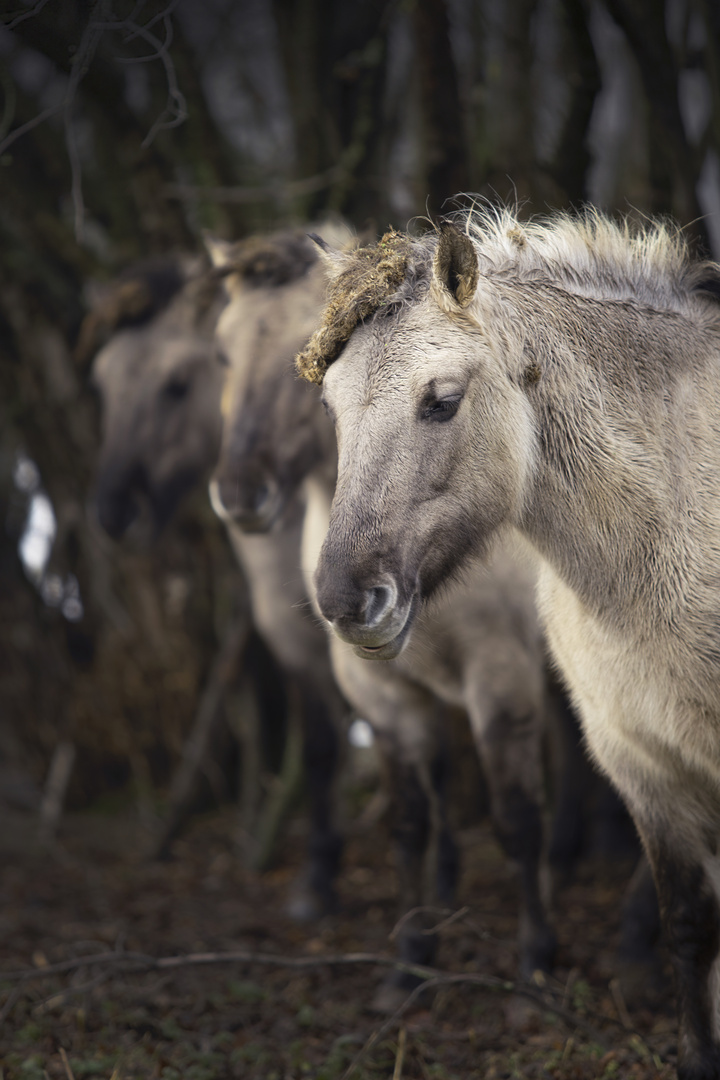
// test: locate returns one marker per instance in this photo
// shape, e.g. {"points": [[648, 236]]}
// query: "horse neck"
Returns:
{"points": [[623, 426]]}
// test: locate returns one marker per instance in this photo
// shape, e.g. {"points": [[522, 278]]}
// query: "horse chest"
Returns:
{"points": [[429, 664], [642, 712]]}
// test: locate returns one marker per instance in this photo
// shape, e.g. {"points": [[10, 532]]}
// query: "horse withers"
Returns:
{"points": [[560, 380]]}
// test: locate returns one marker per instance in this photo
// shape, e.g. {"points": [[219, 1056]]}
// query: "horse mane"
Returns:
{"points": [[137, 295], [588, 254], [270, 260], [591, 254]]}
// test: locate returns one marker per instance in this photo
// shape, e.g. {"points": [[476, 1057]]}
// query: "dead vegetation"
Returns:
{"points": [[117, 967]]}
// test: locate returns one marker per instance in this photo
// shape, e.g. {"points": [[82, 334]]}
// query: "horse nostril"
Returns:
{"points": [[379, 599]]}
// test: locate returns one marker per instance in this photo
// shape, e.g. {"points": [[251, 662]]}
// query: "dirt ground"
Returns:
{"points": [[96, 893]]}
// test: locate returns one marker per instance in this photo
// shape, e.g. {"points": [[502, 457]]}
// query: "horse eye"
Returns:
{"points": [[328, 409], [176, 389], [222, 358], [441, 410]]}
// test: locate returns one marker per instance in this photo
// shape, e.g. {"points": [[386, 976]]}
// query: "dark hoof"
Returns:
{"points": [[539, 955]]}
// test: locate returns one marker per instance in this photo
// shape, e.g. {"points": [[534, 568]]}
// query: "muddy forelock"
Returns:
{"points": [[369, 280]]}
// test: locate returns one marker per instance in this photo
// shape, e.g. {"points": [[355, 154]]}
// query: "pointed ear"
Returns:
{"points": [[218, 250], [708, 280], [455, 266], [334, 259]]}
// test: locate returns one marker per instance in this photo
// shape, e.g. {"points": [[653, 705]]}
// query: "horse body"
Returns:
{"points": [[161, 383], [560, 380], [479, 647]]}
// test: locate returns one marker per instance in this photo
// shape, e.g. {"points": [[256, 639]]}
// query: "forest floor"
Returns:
{"points": [[95, 893]]}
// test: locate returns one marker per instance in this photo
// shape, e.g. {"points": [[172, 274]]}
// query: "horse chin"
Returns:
{"points": [[392, 648]]}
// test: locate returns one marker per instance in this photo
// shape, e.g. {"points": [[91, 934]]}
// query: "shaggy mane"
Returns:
{"points": [[367, 283], [587, 254], [271, 260], [590, 254]]}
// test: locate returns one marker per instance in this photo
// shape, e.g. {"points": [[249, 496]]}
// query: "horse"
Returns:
{"points": [[160, 385], [479, 648], [558, 380]]}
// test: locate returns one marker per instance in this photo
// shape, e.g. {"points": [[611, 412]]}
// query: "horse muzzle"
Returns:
{"points": [[374, 620], [254, 510]]}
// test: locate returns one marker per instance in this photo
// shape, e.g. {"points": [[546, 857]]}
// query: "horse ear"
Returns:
{"points": [[708, 280], [218, 250], [333, 258], [456, 266]]}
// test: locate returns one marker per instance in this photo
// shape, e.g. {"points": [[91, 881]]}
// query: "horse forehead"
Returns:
{"points": [[388, 361], [121, 361]]}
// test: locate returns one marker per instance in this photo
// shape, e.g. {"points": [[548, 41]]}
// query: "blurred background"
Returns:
{"points": [[129, 128]]}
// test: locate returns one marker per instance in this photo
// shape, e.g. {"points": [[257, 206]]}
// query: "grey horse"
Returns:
{"points": [[558, 380], [160, 385], [479, 647]]}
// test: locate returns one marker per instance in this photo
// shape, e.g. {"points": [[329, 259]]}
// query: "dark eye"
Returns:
{"points": [[176, 388], [222, 357], [328, 409], [441, 409]]}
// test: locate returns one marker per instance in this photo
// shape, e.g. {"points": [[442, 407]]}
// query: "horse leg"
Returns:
{"points": [[637, 959], [589, 816], [279, 606], [571, 769], [508, 738], [314, 893], [418, 824], [687, 886], [447, 862]]}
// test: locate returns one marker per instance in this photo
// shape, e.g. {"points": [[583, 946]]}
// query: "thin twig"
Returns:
{"points": [[26, 15], [66, 1064], [483, 980], [451, 917], [174, 113], [30, 124], [10, 1003], [388, 1025], [151, 22], [176, 108], [135, 962], [61, 996], [400, 1056]]}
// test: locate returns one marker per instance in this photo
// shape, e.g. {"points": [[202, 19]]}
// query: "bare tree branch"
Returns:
{"points": [[26, 15], [100, 22], [151, 22], [30, 124], [287, 190]]}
